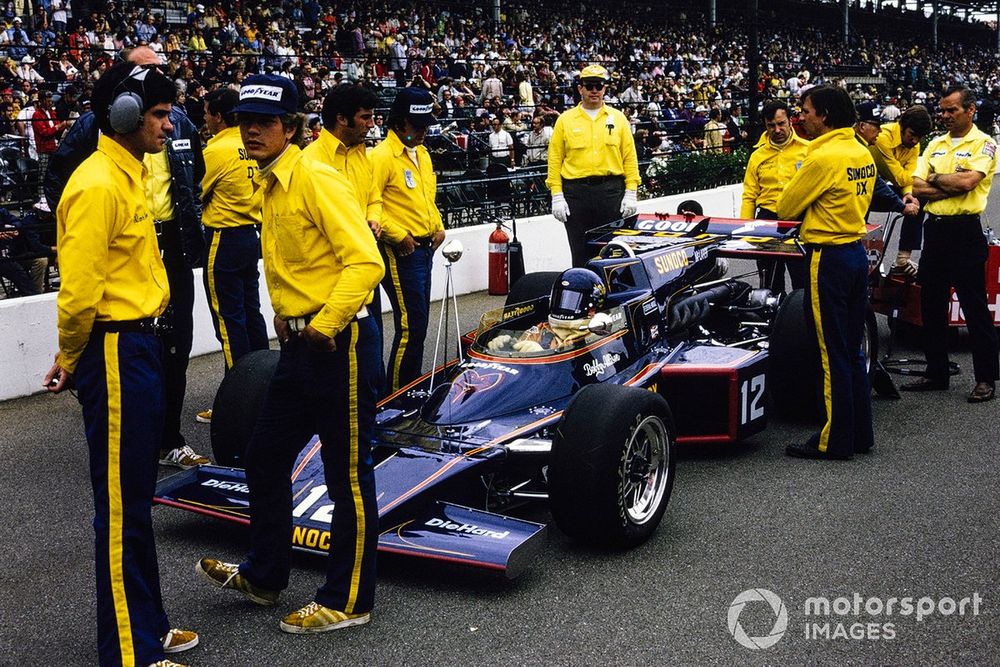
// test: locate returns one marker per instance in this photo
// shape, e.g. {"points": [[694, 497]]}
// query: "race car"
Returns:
{"points": [[669, 351]]}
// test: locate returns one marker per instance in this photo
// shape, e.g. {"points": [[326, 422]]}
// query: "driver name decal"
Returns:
{"points": [[598, 366]]}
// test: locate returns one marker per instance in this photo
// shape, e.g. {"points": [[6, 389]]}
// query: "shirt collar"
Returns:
{"points": [[285, 164], [895, 133], [841, 134], [397, 145], [133, 168], [330, 143]]}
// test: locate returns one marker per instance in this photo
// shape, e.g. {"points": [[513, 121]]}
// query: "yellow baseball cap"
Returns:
{"points": [[594, 72]]}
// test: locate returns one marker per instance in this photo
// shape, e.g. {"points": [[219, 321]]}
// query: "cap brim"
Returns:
{"points": [[593, 79], [259, 107], [422, 120]]}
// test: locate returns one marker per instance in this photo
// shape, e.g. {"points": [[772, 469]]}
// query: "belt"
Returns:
{"points": [[594, 180], [821, 246], [146, 325], [426, 241], [158, 224], [969, 217], [299, 324]]}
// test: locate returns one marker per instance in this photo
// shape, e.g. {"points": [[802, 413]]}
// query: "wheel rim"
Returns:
{"points": [[645, 470]]}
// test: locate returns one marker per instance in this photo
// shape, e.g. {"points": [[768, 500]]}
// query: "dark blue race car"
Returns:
{"points": [[670, 351]]}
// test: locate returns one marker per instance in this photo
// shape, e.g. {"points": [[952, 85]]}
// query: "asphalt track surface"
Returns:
{"points": [[917, 517]]}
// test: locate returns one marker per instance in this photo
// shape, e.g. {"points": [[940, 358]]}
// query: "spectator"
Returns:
{"points": [[714, 131], [46, 128], [501, 143], [537, 143]]}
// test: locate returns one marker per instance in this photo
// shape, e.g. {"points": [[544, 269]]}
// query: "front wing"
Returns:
{"points": [[423, 526]]}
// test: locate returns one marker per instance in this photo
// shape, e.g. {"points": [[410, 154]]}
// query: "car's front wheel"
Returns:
{"points": [[612, 466]]}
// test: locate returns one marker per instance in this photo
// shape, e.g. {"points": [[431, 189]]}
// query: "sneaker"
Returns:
{"points": [[166, 663], [183, 457], [204, 417], [176, 640], [227, 575], [314, 617]]}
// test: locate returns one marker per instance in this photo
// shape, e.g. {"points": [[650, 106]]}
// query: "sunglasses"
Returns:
{"points": [[593, 86]]}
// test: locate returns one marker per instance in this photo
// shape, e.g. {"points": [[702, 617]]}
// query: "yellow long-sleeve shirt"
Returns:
{"points": [[894, 161], [581, 147], [768, 171], [353, 163], [319, 254], [833, 187], [109, 261], [228, 193], [976, 151], [408, 191]]}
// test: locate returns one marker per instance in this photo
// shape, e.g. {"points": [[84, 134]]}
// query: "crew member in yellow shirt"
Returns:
{"points": [[895, 151], [231, 213], [832, 191], [593, 168], [953, 179], [113, 286], [772, 164], [321, 263], [412, 229], [348, 114]]}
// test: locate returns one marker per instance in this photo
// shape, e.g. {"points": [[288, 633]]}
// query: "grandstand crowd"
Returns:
{"points": [[682, 80]]}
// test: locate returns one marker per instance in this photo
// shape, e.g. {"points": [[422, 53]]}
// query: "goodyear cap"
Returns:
{"points": [[594, 73], [268, 94], [416, 104]]}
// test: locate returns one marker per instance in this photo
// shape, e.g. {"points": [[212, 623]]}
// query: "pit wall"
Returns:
{"points": [[28, 338]]}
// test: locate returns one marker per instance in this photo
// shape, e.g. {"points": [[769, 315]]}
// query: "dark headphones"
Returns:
{"points": [[125, 112]]}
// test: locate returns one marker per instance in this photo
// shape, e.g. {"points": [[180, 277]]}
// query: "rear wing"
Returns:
{"points": [[735, 237]]}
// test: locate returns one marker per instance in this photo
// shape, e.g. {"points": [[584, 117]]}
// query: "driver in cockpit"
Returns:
{"points": [[576, 298]]}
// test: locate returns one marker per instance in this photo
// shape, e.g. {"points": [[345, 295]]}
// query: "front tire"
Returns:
{"points": [[612, 466]]}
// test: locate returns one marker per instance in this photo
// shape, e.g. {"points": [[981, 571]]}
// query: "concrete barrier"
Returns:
{"points": [[28, 337]]}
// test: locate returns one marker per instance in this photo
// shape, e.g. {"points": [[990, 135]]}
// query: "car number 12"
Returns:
{"points": [[751, 393]]}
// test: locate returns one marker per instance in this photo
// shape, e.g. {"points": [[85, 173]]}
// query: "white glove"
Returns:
{"points": [[560, 209], [629, 204], [498, 343], [527, 346]]}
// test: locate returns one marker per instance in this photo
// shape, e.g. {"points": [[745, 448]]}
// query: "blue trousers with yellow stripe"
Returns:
{"points": [[407, 283], [231, 284], [119, 378], [836, 303], [331, 394]]}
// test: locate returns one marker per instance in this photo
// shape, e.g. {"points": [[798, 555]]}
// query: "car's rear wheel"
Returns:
{"points": [[794, 372], [612, 466], [531, 286], [238, 403]]}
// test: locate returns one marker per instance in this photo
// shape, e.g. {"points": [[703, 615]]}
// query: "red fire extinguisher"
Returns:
{"points": [[498, 261]]}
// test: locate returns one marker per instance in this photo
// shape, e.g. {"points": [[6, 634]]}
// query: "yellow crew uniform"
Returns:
{"points": [[834, 186], [955, 255], [769, 170], [231, 213], [592, 163], [405, 177], [113, 284]]}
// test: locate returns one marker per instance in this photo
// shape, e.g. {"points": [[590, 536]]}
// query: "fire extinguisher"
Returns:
{"points": [[498, 261]]}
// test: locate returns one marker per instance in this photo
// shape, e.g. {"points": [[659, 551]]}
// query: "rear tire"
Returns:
{"points": [[238, 404], [612, 466], [794, 373], [532, 286]]}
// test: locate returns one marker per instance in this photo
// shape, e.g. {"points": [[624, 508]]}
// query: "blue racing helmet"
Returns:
{"points": [[576, 294]]}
